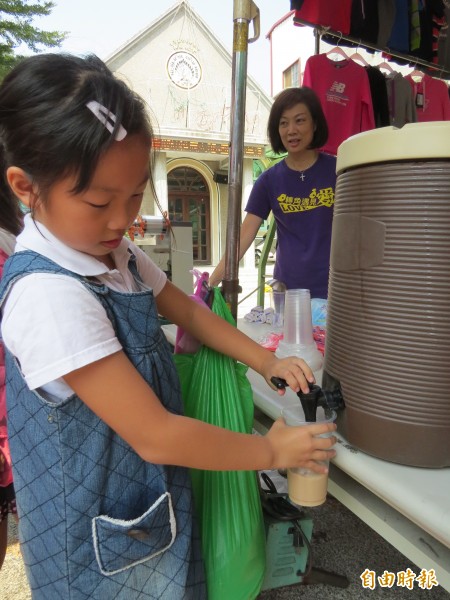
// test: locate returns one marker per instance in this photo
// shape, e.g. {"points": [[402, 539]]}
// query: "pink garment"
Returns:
{"points": [[185, 343], [336, 15], [5, 466], [431, 99], [344, 91]]}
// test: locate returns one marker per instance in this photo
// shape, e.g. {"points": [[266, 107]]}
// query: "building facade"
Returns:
{"points": [[184, 74]]}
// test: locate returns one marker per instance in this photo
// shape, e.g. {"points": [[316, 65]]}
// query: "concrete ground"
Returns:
{"points": [[13, 582], [341, 544]]}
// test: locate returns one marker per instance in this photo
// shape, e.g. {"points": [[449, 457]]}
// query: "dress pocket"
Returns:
{"points": [[120, 545]]}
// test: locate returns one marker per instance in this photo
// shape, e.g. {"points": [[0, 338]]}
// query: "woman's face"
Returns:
{"points": [[296, 128]]}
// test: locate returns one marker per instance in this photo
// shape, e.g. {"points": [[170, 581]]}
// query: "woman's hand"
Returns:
{"points": [[293, 370], [299, 446]]}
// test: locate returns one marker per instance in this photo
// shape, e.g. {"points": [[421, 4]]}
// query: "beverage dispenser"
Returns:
{"points": [[388, 325]]}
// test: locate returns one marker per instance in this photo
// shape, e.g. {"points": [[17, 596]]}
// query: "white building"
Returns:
{"points": [[185, 75]]}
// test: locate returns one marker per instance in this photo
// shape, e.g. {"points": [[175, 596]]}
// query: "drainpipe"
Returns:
{"points": [[244, 11]]}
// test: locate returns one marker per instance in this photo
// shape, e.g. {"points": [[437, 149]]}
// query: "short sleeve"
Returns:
{"points": [[259, 200], [53, 325]]}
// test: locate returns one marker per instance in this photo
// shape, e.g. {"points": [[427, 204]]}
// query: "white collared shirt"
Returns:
{"points": [[52, 324]]}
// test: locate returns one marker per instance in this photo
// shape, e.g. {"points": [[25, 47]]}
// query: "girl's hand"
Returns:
{"points": [[298, 446], [293, 370]]}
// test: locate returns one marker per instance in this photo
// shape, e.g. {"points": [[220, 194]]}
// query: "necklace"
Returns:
{"points": [[302, 171]]}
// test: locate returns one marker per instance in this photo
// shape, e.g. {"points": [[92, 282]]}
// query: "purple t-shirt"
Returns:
{"points": [[303, 211]]}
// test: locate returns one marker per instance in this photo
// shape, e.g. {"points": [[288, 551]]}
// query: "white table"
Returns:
{"points": [[408, 506]]}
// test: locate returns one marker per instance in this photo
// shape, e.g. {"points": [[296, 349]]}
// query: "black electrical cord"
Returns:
{"points": [[279, 508]]}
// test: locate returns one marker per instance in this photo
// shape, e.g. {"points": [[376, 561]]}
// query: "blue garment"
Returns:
{"points": [[399, 38], [96, 521]]}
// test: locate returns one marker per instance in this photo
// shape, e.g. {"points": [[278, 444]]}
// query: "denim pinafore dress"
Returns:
{"points": [[96, 522]]}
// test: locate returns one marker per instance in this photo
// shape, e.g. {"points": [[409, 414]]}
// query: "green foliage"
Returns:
{"points": [[262, 164], [16, 28]]}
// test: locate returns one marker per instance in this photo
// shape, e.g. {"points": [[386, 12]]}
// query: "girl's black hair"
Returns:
{"points": [[286, 100], [46, 128]]}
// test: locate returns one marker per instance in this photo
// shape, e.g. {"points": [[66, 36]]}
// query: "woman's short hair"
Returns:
{"points": [[287, 99]]}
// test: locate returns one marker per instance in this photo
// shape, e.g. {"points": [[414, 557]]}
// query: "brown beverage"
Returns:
{"points": [[307, 488]]}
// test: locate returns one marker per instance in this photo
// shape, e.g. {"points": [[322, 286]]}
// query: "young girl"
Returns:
{"points": [[10, 226], [98, 438]]}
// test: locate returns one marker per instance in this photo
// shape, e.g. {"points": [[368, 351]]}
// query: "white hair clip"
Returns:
{"points": [[107, 118]]}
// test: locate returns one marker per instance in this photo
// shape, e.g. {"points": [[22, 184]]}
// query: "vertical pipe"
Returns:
{"points": [[244, 11], [317, 41]]}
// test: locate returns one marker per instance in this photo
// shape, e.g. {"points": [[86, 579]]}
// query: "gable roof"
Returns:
{"points": [[203, 110]]}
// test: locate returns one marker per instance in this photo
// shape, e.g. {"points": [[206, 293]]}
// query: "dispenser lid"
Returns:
{"points": [[414, 141]]}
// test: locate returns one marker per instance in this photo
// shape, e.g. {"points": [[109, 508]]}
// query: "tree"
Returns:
{"points": [[16, 28]]}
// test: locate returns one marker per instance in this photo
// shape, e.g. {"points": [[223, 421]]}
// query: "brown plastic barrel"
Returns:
{"points": [[388, 324]]}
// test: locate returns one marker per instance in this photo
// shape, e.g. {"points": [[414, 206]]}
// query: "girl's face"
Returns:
{"points": [[95, 221], [296, 128]]}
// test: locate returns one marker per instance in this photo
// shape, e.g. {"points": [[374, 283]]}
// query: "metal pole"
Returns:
{"points": [[244, 11], [317, 40]]}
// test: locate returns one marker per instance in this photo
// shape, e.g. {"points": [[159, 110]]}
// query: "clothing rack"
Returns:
{"points": [[432, 69]]}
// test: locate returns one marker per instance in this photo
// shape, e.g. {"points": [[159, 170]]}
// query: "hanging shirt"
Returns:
{"points": [[415, 24], [431, 99], [380, 101], [402, 109], [444, 40], [386, 18], [431, 19], [336, 15], [364, 20], [344, 91], [399, 38]]}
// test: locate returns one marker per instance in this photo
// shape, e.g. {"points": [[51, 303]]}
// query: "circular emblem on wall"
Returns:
{"points": [[184, 70]]}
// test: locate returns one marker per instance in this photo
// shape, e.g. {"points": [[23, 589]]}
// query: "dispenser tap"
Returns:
{"points": [[314, 398]]}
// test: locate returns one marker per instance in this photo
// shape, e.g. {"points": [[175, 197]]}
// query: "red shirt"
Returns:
{"points": [[431, 99], [344, 91], [335, 15]]}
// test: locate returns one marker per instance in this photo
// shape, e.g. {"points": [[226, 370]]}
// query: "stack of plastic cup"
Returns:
{"points": [[297, 318], [298, 337], [277, 301]]}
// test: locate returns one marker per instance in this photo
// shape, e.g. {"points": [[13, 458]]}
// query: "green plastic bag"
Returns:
{"points": [[216, 390]]}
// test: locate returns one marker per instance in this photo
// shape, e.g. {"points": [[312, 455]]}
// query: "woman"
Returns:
{"points": [[299, 190]]}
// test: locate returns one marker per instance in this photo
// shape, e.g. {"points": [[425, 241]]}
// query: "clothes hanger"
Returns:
{"points": [[417, 75], [337, 51], [385, 65], [358, 57]]}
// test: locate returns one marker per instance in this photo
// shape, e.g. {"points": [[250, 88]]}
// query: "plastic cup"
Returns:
{"points": [[278, 301], [297, 318], [306, 487]]}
